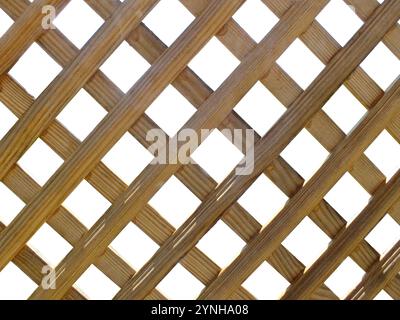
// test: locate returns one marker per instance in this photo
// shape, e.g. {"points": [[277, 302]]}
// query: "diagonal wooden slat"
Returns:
{"points": [[115, 124], [313, 192], [12, 46], [62, 89], [346, 241], [375, 280], [257, 61], [277, 138], [283, 261], [304, 283], [32, 265]]}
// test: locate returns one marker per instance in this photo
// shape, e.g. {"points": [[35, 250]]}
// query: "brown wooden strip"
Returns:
{"points": [[346, 241], [265, 48], [375, 280]]}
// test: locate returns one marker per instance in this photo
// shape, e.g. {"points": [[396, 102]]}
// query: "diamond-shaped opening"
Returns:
{"points": [[95, 285], [263, 200], [383, 296], [349, 21], [307, 242], [175, 202], [86, 204], [78, 22], [40, 162], [158, 20], [35, 70], [170, 110], [300, 63], [344, 109], [384, 153], [260, 109], [217, 155], [305, 154], [221, 244], [214, 63], [10, 204], [382, 66], [256, 19], [345, 278], [266, 283], [125, 66], [180, 284], [127, 158], [15, 284], [6, 22], [348, 197], [8, 119], [48, 244], [81, 115], [385, 235], [134, 246]]}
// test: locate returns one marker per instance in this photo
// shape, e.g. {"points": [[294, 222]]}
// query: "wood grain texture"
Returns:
{"points": [[29, 24], [277, 138], [115, 218], [122, 116], [126, 112], [242, 222], [346, 241]]}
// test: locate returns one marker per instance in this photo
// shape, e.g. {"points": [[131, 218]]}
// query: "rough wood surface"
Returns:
{"points": [[123, 21]]}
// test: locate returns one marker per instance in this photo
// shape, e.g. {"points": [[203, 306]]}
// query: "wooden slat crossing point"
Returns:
{"points": [[123, 21]]}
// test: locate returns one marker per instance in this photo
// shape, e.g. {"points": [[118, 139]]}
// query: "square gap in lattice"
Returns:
{"points": [[49, 245], [8, 119], [81, 115], [221, 244], [344, 109], [263, 199], [300, 63], [384, 235], [78, 22], [170, 111], [159, 20], [345, 278], [86, 204], [265, 283], [125, 66], [383, 296], [10, 204], [307, 242], [256, 19], [15, 284], [305, 154], [40, 162], [349, 21], [134, 246], [384, 152], [260, 108], [180, 284], [95, 285], [42, 70], [348, 197], [214, 63], [127, 158], [175, 202], [382, 66], [6, 22], [217, 155]]}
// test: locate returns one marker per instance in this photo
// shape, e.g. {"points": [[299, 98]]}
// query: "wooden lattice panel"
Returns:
{"points": [[179, 246]]}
